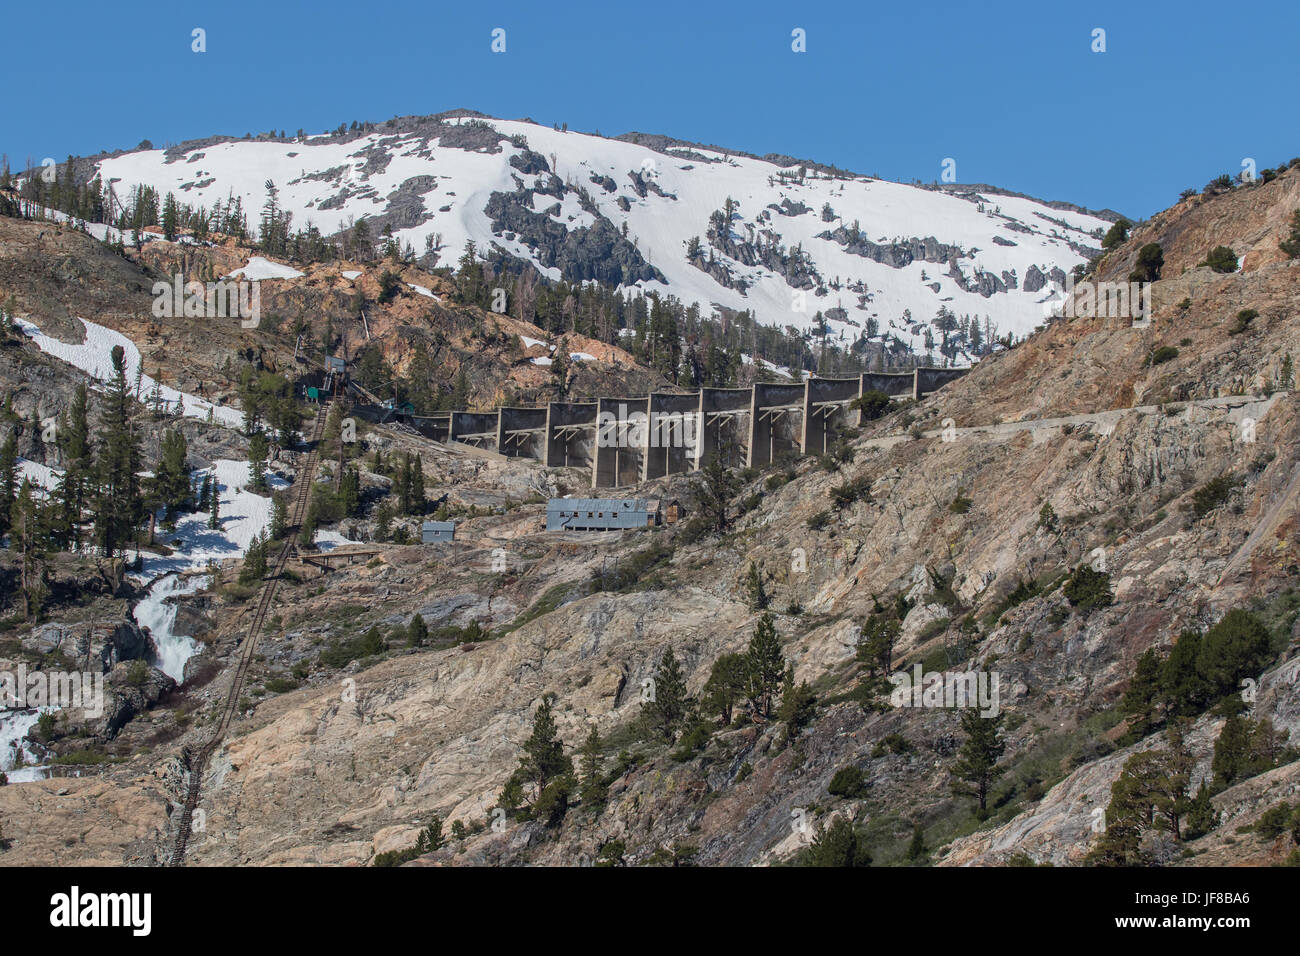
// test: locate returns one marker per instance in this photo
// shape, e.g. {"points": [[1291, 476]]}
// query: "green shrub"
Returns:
{"points": [[934, 629], [45, 725], [1022, 592], [1212, 494], [856, 489], [1221, 259], [1219, 184], [1150, 260], [137, 673], [819, 521], [1165, 353], [693, 740], [1047, 519], [1291, 244], [779, 479], [891, 743], [848, 782], [1237, 646], [636, 572], [873, 404], [342, 653], [1244, 318], [1274, 821], [1087, 589], [471, 633], [1117, 234]]}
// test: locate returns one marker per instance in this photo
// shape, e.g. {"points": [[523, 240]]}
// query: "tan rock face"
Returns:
{"points": [[439, 732], [89, 821]]}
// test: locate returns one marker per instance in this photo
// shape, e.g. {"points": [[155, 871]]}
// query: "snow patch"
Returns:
{"points": [[260, 268], [94, 357]]}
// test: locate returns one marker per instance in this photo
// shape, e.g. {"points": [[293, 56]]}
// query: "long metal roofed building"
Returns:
{"points": [[602, 514]]}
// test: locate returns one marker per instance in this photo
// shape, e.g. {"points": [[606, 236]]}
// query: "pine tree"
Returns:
{"points": [[418, 502], [118, 503], [754, 591], [1151, 793], [170, 218], [725, 686], [1237, 646], [1169, 787], [1141, 699], [1201, 815], [350, 492], [31, 543], [764, 667], [798, 704], [171, 481], [977, 763], [876, 641], [916, 849], [214, 506], [254, 568], [383, 521], [459, 399], [307, 533], [79, 467], [543, 766], [417, 632], [592, 790], [74, 433], [8, 481], [1232, 751], [1121, 843], [258, 448], [835, 846], [1245, 748], [714, 493], [279, 518], [1184, 692], [669, 705], [402, 485]]}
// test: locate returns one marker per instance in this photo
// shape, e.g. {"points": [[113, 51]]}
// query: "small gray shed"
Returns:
{"points": [[434, 531]]}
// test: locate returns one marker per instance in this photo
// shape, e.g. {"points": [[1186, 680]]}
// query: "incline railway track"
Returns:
{"points": [[199, 761]]}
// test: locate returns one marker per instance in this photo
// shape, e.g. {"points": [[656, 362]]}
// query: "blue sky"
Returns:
{"points": [[1011, 91]]}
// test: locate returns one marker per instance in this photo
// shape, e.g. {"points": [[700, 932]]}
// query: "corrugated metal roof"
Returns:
{"points": [[438, 526], [598, 504]]}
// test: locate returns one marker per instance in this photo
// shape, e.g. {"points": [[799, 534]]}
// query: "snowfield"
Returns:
{"points": [[41, 476], [94, 357], [259, 268], [460, 181]]}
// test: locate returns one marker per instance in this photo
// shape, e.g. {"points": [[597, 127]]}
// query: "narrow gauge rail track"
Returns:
{"points": [[199, 762]]}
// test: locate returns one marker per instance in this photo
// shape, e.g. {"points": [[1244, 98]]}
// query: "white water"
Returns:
{"points": [[15, 759], [158, 614]]}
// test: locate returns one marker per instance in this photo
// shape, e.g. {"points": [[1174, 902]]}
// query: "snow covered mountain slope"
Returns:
{"points": [[800, 239]]}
